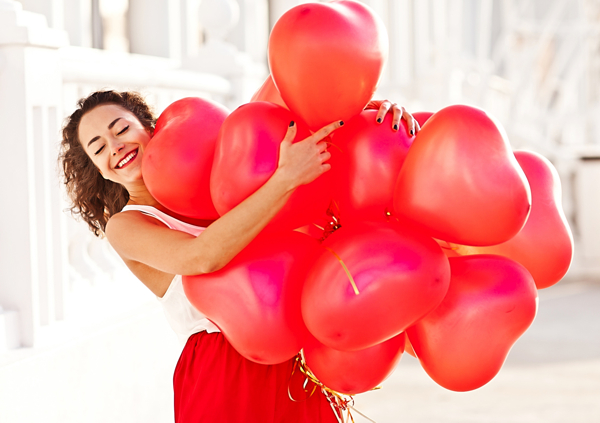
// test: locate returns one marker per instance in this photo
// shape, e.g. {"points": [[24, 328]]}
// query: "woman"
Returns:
{"points": [[102, 151]]}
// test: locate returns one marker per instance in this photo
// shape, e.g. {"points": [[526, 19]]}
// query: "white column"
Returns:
{"points": [[251, 34], [32, 276], [155, 27], [78, 22]]}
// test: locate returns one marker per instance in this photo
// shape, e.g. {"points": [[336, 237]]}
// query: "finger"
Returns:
{"points": [[291, 133], [325, 167], [326, 130], [410, 121], [398, 112], [383, 109], [325, 156], [323, 146]]}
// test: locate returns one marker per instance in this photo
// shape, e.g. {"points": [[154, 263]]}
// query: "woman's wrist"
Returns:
{"points": [[283, 181]]}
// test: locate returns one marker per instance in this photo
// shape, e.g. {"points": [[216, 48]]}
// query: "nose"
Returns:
{"points": [[116, 147]]}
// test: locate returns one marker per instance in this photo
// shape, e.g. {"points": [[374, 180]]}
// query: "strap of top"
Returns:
{"points": [[169, 221]]}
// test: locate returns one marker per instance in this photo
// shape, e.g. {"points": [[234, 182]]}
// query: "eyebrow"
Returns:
{"points": [[110, 126]]}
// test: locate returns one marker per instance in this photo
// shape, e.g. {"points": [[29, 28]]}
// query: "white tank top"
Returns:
{"points": [[183, 317]]}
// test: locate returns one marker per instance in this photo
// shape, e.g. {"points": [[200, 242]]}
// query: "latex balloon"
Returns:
{"points": [[268, 92], [353, 372], [247, 155], [178, 159], [545, 244], [371, 281], [366, 160], [326, 59], [461, 182], [422, 117], [463, 343], [408, 347], [255, 299]]}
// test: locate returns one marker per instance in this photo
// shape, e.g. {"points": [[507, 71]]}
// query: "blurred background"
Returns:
{"points": [[82, 340]]}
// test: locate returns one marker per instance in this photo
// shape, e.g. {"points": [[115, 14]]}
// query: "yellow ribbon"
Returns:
{"points": [[350, 278]]}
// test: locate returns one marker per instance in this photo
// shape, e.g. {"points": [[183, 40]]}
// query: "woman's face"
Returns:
{"points": [[115, 140]]}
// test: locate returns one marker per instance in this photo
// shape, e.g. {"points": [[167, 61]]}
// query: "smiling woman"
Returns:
{"points": [[95, 196]]}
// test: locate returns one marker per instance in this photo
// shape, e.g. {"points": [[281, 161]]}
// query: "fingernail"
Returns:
{"points": [[292, 124], [341, 123], [379, 120], [412, 132], [395, 127]]}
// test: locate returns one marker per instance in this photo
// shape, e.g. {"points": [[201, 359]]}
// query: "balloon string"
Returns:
{"points": [[339, 403], [350, 278]]}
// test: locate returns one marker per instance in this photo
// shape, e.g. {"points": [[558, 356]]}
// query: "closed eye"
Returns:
{"points": [[101, 148], [123, 130]]}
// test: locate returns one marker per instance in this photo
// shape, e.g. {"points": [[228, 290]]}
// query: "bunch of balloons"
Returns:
{"points": [[437, 242]]}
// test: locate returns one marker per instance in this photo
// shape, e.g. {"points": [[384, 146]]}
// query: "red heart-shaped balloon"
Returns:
{"points": [[366, 160], [178, 159], [268, 92], [463, 343], [247, 155], [326, 59], [460, 181], [353, 372], [370, 282], [255, 299], [545, 244]]}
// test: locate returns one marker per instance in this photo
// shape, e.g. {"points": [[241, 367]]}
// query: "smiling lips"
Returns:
{"points": [[128, 158]]}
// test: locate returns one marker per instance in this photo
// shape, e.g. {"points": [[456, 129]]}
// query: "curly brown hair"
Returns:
{"points": [[94, 198]]}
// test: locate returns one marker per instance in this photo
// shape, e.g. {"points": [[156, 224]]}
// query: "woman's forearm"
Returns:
{"points": [[233, 231]]}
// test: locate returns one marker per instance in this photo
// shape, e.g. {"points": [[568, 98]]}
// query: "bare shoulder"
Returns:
{"points": [[126, 218], [125, 231], [139, 237]]}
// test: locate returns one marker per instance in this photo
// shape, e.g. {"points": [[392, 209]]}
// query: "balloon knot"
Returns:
{"points": [[341, 404]]}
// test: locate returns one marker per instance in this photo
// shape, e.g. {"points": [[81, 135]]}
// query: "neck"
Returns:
{"points": [[139, 195]]}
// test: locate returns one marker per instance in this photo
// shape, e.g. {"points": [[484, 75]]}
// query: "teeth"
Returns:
{"points": [[126, 159]]}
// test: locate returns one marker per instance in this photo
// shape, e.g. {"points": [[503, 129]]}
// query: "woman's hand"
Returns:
{"points": [[304, 161], [399, 112]]}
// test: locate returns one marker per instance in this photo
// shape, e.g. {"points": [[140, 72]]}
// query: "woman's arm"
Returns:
{"points": [[142, 239]]}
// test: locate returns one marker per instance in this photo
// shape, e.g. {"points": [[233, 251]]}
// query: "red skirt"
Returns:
{"points": [[214, 383]]}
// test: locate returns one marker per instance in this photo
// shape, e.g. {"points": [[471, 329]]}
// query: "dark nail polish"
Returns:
{"points": [[412, 132], [379, 120], [395, 127], [292, 124], [341, 123]]}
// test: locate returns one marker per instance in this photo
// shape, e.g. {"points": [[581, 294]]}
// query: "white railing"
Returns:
{"points": [[53, 272]]}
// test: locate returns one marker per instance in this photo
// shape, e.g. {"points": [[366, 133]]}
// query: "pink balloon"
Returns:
{"points": [[463, 343], [460, 181], [365, 166], [255, 299], [247, 155], [399, 275], [353, 372], [545, 244], [326, 59], [178, 158], [268, 92]]}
